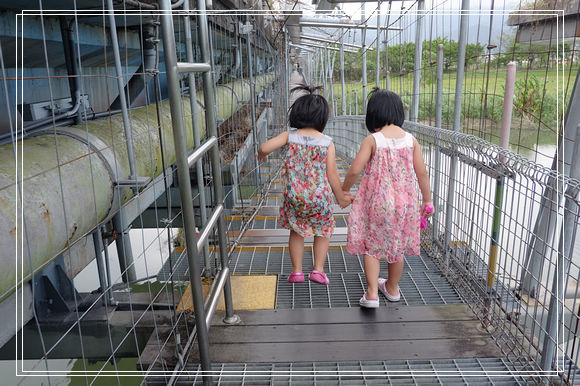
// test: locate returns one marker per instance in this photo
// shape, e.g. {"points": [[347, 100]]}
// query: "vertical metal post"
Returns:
{"points": [[437, 165], [331, 72], [180, 142], [571, 212], [121, 87], [286, 69], [72, 66], [124, 250], [364, 64], [210, 124], [343, 87], [387, 71], [324, 72], [241, 48], [97, 242], [364, 60], [378, 46], [315, 68], [107, 265], [456, 126], [196, 133], [355, 102], [418, 52], [508, 103], [253, 108]]}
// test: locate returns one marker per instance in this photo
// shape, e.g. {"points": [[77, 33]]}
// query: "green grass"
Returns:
{"points": [[534, 116], [474, 89]]}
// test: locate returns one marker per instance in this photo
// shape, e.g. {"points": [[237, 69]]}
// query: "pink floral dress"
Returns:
{"points": [[384, 219], [307, 205]]}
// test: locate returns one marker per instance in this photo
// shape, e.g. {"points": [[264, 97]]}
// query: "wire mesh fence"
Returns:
{"points": [[534, 34], [519, 276], [90, 165]]}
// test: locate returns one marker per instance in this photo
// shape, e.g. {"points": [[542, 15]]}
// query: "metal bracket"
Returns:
{"points": [[54, 291], [136, 183], [493, 171]]}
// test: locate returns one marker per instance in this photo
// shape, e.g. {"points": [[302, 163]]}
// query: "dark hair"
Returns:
{"points": [[384, 108], [310, 110]]}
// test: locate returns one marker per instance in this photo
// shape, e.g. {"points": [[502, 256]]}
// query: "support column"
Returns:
{"points": [[253, 107], [456, 127], [378, 46], [364, 61], [437, 165], [343, 87], [387, 72], [418, 52], [124, 250]]}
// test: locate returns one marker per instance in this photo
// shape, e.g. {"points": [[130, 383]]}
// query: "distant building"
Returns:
{"points": [[542, 25]]}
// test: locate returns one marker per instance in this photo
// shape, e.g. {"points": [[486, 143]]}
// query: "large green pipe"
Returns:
{"points": [[82, 187]]}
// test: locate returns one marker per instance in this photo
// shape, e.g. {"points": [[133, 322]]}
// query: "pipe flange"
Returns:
{"points": [[100, 148]]}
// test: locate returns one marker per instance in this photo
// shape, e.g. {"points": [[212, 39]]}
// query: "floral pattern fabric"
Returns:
{"points": [[385, 215], [307, 202]]}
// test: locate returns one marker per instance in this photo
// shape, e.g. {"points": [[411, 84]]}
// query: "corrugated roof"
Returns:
{"points": [[543, 10]]}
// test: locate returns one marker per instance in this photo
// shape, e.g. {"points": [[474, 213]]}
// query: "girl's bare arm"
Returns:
{"points": [[422, 175], [271, 145], [362, 158], [343, 199]]}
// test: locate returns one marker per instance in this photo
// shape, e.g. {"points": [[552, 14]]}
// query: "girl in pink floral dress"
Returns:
{"points": [[310, 175], [384, 219]]}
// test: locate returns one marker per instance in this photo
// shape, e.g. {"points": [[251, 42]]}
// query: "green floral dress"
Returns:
{"points": [[307, 204]]}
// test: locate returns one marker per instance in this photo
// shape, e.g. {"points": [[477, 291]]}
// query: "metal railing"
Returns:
{"points": [[539, 330], [194, 243]]}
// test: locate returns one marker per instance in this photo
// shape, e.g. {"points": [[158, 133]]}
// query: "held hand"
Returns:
{"points": [[346, 200], [427, 209], [261, 158]]}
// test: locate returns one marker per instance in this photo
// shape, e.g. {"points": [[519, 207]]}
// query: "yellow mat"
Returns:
{"points": [[248, 293]]}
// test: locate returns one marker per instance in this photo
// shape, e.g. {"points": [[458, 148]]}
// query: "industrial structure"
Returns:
{"points": [[138, 232]]}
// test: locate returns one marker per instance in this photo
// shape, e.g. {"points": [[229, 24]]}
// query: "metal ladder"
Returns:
{"points": [[196, 244]]}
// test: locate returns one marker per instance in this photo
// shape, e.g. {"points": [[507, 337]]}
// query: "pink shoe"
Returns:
{"points": [[296, 277], [319, 277], [383, 289]]}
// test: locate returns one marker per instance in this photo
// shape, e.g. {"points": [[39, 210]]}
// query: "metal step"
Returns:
{"points": [[442, 372]]}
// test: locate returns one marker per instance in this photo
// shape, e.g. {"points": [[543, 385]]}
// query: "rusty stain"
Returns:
{"points": [[45, 213], [13, 232], [75, 227]]}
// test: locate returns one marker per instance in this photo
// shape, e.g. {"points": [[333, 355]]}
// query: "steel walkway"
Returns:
{"points": [[430, 337]]}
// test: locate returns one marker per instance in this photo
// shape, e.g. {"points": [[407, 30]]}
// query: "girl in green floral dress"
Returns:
{"points": [[310, 175]]}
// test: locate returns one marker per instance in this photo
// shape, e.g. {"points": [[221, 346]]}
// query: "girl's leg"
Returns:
{"points": [[372, 268], [320, 250], [395, 273], [296, 246]]}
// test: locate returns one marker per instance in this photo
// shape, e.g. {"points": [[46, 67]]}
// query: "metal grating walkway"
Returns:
{"points": [[345, 289], [477, 371], [422, 284]]}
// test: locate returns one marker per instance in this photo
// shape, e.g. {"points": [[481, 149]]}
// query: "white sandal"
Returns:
{"points": [[364, 302], [383, 288]]}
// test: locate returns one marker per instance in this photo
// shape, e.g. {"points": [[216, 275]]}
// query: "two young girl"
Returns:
{"points": [[384, 219]]}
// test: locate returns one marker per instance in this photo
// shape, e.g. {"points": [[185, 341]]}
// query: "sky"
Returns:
{"points": [[442, 23]]}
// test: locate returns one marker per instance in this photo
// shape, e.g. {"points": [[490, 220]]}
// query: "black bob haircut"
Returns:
{"points": [[384, 108], [310, 110]]}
